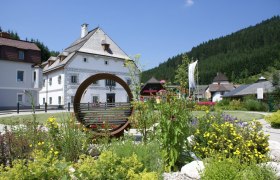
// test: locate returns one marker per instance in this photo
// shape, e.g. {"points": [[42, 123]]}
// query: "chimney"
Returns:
{"points": [[84, 30]]}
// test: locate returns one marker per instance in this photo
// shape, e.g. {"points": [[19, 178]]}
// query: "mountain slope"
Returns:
{"points": [[239, 55]]}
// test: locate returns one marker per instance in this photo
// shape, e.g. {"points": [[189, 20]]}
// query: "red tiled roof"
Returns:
{"points": [[18, 44]]}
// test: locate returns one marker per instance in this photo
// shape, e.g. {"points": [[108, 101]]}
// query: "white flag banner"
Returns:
{"points": [[191, 74]]}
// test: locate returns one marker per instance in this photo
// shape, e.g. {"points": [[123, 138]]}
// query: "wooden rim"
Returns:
{"points": [[85, 84]]}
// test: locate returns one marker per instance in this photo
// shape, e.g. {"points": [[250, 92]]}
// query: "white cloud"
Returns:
{"points": [[189, 2]]}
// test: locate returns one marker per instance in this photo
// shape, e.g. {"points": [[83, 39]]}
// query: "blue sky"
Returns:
{"points": [[155, 29]]}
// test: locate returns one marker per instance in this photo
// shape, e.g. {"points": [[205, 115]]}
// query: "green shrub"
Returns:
{"points": [[67, 138], [111, 166], [214, 135], [223, 102], [173, 130], [231, 168], [235, 105], [43, 166], [255, 105], [201, 107], [149, 154], [274, 119], [143, 118]]}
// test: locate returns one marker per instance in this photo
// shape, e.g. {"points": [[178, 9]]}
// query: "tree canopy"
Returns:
{"points": [[239, 55]]}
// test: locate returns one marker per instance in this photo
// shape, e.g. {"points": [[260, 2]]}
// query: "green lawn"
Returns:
{"points": [[240, 115], [41, 118]]}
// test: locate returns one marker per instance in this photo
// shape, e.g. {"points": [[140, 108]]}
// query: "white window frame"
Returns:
{"points": [[96, 83], [112, 83], [59, 79], [50, 81], [22, 97], [44, 82], [21, 54], [59, 100], [76, 79], [34, 76], [22, 77], [95, 95]]}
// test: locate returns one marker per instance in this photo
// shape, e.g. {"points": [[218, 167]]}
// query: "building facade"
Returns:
{"points": [[95, 52], [218, 88], [20, 74]]}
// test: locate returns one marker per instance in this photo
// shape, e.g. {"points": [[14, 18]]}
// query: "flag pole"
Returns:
{"points": [[197, 82]]}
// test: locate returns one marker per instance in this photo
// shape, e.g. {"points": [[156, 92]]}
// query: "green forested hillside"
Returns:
{"points": [[239, 55]]}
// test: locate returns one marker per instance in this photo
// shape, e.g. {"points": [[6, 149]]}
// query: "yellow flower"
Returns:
{"points": [[56, 152], [30, 145], [207, 111], [39, 143], [237, 152]]}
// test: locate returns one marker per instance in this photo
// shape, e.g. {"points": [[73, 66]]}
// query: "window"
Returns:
{"points": [[50, 100], [85, 59], [44, 100], [20, 98], [95, 99], [95, 83], [72, 99], [34, 75], [59, 79], [128, 81], [20, 76], [44, 81], [50, 81], [106, 62], [110, 82], [21, 55], [74, 79], [59, 100]]}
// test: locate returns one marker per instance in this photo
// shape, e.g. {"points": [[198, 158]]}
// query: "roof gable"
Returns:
{"points": [[220, 77], [19, 44], [93, 45]]}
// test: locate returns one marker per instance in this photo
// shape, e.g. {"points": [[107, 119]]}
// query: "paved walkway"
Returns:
{"points": [[9, 113]]}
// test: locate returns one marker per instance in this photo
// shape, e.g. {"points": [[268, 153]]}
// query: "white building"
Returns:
{"points": [[20, 77], [95, 52], [219, 87]]}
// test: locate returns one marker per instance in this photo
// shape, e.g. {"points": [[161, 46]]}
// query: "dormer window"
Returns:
{"points": [[106, 62], [105, 45], [21, 55], [85, 60]]}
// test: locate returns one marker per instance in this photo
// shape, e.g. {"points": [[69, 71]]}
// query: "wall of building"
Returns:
{"points": [[216, 97], [11, 53], [10, 86], [53, 90]]}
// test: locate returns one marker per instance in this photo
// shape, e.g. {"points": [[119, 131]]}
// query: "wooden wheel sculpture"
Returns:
{"points": [[103, 118]]}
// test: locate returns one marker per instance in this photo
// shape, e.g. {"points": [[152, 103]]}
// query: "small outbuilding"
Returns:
{"points": [[259, 88], [151, 88], [219, 87]]}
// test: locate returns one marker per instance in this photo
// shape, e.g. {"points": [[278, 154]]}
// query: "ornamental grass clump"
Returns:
{"points": [[67, 138], [274, 119], [231, 168], [230, 138]]}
